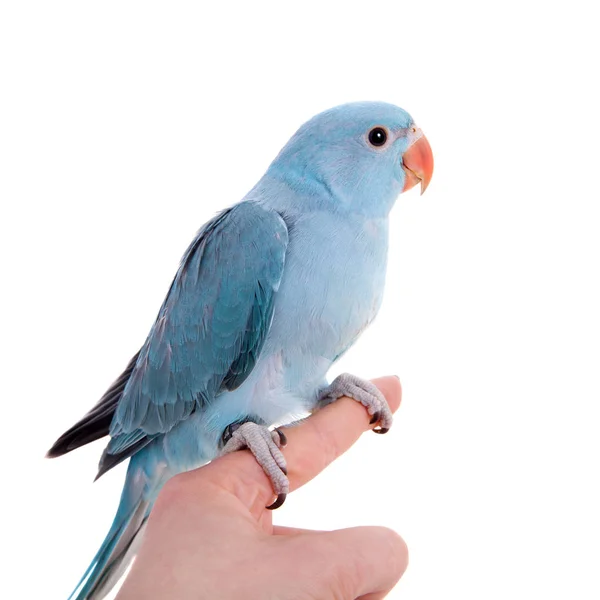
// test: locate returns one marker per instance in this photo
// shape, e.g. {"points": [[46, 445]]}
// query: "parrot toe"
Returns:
{"points": [[265, 446], [365, 392]]}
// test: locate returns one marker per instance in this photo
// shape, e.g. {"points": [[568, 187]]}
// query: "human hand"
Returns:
{"points": [[210, 536]]}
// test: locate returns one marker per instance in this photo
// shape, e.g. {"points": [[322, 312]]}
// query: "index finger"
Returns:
{"points": [[312, 446]]}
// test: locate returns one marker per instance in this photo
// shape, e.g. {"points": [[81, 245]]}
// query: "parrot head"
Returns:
{"points": [[363, 155]]}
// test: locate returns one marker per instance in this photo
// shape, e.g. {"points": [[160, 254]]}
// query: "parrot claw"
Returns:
{"points": [[381, 430], [278, 503], [265, 446], [366, 393], [282, 438]]}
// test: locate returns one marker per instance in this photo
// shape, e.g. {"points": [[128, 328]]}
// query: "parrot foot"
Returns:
{"points": [[265, 446], [366, 393]]}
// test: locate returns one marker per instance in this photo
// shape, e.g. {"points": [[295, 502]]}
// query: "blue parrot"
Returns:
{"points": [[270, 293]]}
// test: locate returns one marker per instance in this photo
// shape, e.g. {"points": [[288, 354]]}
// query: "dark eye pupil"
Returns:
{"points": [[377, 136]]}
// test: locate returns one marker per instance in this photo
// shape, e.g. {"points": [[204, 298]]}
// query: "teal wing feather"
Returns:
{"points": [[210, 329]]}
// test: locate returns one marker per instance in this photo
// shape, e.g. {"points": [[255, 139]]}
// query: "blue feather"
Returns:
{"points": [[215, 315]]}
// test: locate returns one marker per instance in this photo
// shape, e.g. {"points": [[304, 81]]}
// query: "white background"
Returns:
{"points": [[124, 126]]}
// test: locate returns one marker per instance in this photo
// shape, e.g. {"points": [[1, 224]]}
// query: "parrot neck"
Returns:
{"points": [[284, 189]]}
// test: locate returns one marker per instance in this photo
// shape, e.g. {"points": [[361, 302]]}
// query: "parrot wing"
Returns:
{"points": [[208, 334]]}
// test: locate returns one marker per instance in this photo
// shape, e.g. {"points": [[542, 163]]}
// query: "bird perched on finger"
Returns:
{"points": [[270, 293]]}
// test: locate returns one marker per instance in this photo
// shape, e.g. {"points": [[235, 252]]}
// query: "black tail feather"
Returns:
{"points": [[108, 461], [96, 423]]}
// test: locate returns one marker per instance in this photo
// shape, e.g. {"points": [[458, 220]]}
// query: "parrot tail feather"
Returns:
{"points": [[125, 535], [96, 424]]}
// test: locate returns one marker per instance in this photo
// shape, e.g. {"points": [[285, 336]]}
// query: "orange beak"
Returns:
{"points": [[417, 163]]}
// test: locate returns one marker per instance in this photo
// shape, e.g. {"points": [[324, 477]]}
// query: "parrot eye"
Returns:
{"points": [[378, 137]]}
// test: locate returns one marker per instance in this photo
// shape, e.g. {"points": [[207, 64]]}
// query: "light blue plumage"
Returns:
{"points": [[269, 294]]}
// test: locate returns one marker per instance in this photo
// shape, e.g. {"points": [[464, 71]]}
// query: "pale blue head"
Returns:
{"points": [[356, 157]]}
